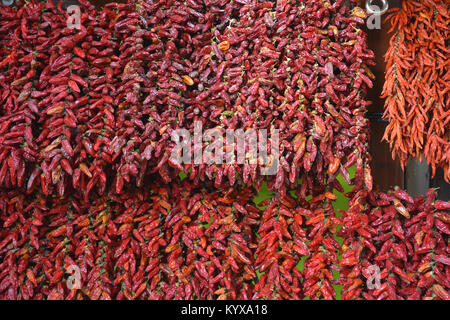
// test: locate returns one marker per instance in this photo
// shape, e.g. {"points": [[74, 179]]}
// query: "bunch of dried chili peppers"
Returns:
{"points": [[396, 248], [186, 241], [84, 109], [417, 80], [91, 205]]}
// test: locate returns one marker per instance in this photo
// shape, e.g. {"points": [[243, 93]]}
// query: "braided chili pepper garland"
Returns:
{"points": [[416, 84], [405, 240]]}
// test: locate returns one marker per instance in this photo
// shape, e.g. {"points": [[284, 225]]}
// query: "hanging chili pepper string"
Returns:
{"points": [[416, 84]]}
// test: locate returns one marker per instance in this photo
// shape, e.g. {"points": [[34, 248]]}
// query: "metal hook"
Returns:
{"points": [[373, 9]]}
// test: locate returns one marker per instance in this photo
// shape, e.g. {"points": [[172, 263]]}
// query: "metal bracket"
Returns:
{"points": [[375, 10]]}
